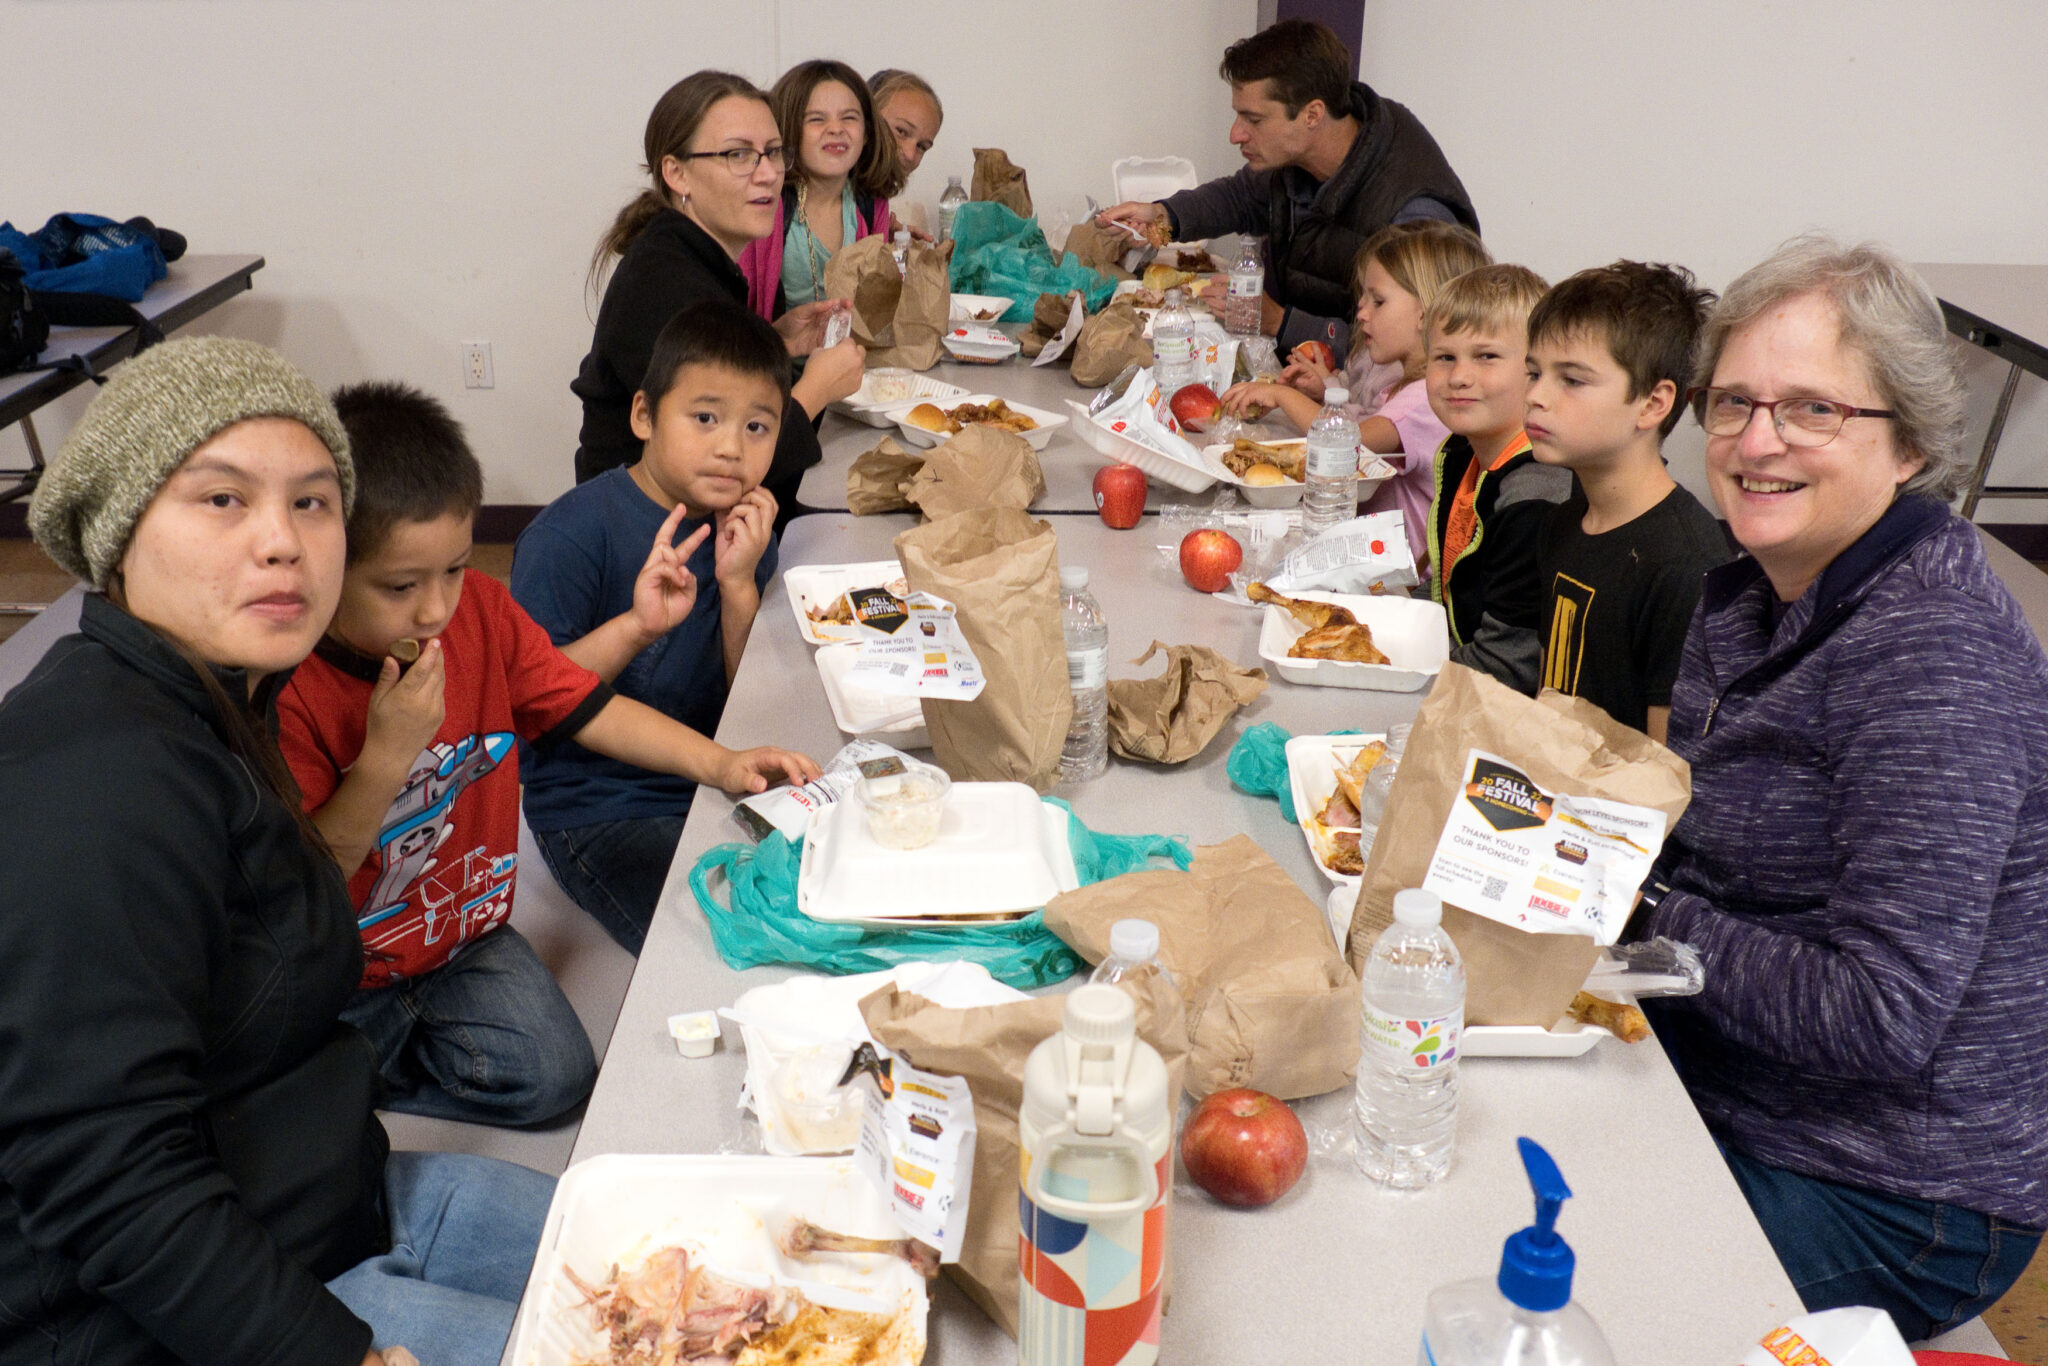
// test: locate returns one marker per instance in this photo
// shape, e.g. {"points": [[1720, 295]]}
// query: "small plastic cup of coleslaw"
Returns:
{"points": [[905, 809]]}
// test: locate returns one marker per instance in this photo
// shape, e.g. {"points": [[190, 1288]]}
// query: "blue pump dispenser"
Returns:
{"points": [[1536, 1264]]}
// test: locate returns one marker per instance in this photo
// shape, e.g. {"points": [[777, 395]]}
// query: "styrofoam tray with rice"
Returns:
{"points": [[620, 1210], [1411, 632], [864, 713], [879, 391], [1118, 449], [815, 587]]}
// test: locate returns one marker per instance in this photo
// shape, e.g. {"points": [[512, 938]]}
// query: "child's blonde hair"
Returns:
{"points": [[1491, 298], [1422, 256]]}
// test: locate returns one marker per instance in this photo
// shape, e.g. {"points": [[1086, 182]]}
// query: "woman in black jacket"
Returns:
{"points": [[188, 1148], [717, 162]]}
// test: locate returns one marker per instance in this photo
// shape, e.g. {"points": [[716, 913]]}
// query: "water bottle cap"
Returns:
{"points": [[1413, 906], [1099, 1013], [1073, 578], [1134, 940], [1332, 396], [1536, 1264], [1172, 298]]}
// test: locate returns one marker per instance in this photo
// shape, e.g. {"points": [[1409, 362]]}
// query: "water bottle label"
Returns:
{"points": [[1087, 668], [1413, 1045], [1246, 286], [1169, 351], [1090, 1292], [1332, 462]]}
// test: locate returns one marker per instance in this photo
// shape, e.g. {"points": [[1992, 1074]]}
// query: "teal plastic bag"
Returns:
{"points": [[1258, 764], [761, 923], [996, 252]]}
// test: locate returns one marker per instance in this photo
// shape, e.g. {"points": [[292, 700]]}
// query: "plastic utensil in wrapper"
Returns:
{"points": [[1363, 555], [789, 809]]}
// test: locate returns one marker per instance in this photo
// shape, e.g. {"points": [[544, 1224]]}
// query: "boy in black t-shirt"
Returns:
{"points": [[1621, 561]]}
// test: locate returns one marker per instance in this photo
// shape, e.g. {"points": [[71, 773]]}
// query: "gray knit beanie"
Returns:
{"points": [[157, 409]]}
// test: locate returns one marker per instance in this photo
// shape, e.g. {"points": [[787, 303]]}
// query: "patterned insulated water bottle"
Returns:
{"points": [[1096, 1134]]}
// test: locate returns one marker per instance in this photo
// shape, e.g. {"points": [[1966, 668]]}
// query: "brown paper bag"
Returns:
{"points": [[998, 178], [1048, 316], [1172, 718], [1271, 1003], [1101, 248], [987, 1046], [1109, 341], [898, 318], [879, 480], [1564, 744], [980, 467], [1001, 568]]}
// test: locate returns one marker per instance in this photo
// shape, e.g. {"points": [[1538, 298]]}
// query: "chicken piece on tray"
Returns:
{"points": [[1310, 614], [1350, 643]]}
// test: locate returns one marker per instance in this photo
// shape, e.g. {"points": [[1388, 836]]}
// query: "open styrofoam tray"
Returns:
{"points": [[1411, 632], [1287, 494], [863, 407], [1036, 438], [620, 1209], [1000, 851], [862, 712], [1117, 449], [819, 585], [966, 308], [1312, 763]]}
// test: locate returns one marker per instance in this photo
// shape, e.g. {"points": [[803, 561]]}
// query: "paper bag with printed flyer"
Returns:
{"points": [[987, 1046], [898, 316], [1000, 567], [1536, 810]]}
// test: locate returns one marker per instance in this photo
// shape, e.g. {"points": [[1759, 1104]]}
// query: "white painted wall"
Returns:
{"points": [[418, 174], [1706, 133]]}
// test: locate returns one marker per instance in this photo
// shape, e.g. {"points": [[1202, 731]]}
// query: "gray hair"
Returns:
{"points": [[1890, 318]]}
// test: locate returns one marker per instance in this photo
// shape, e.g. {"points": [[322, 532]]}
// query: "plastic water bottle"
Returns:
{"points": [[1173, 346], [1525, 1315], [1242, 307], [900, 249], [1086, 754], [1094, 1134], [1372, 795], [949, 204], [1133, 952], [1406, 1115], [1329, 494]]}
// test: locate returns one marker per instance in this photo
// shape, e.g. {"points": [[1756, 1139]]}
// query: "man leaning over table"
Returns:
{"points": [[1328, 162]]}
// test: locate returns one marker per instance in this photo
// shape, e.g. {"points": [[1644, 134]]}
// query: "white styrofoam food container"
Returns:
{"points": [[966, 307], [1036, 438], [1117, 449], [982, 343], [1411, 632], [819, 585], [1150, 179], [621, 1209], [1289, 493], [1312, 764], [864, 713], [1000, 851], [865, 408]]}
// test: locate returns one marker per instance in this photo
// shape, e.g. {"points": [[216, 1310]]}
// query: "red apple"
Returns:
{"points": [[1318, 351], [1244, 1147], [1120, 495], [1207, 557], [1195, 406]]}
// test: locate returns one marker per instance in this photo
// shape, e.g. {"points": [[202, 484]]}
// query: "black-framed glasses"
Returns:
{"points": [[741, 161], [1798, 421]]}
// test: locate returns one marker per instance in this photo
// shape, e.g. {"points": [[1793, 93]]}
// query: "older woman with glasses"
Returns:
{"points": [[1864, 866], [716, 161]]}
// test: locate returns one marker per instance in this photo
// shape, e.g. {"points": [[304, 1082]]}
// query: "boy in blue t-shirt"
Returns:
{"points": [[664, 626]]}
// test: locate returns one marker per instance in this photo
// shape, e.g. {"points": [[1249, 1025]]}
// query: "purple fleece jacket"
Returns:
{"points": [[1864, 867]]}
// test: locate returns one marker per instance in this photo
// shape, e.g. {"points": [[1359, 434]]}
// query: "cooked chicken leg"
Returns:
{"points": [[1310, 614], [799, 1238], [1348, 641]]}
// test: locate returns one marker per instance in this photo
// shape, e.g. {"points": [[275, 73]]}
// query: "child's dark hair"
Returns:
{"points": [[1650, 317], [711, 332], [413, 463]]}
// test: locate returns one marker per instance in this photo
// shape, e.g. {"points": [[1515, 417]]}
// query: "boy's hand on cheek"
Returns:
{"points": [[754, 770], [666, 590], [743, 533], [406, 710]]}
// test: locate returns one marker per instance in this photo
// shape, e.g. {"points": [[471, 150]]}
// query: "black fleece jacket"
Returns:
{"points": [[671, 264], [176, 1095]]}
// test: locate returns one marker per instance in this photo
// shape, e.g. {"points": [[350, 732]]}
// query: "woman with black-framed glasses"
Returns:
{"points": [[1864, 866], [716, 162]]}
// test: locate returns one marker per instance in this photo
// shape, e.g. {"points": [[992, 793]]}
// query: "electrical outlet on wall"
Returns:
{"points": [[476, 365]]}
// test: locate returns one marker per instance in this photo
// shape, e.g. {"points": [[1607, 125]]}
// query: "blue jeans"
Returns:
{"points": [[1929, 1266], [463, 1234], [487, 1037], [615, 870]]}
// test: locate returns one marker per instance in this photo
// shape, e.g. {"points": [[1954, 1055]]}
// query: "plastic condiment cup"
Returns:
{"points": [[905, 809], [890, 384]]}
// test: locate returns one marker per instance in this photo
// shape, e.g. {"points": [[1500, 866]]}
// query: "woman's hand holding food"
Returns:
{"points": [[754, 770], [803, 328]]}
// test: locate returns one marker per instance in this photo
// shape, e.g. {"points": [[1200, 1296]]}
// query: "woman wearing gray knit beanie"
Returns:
{"points": [[190, 1162]]}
